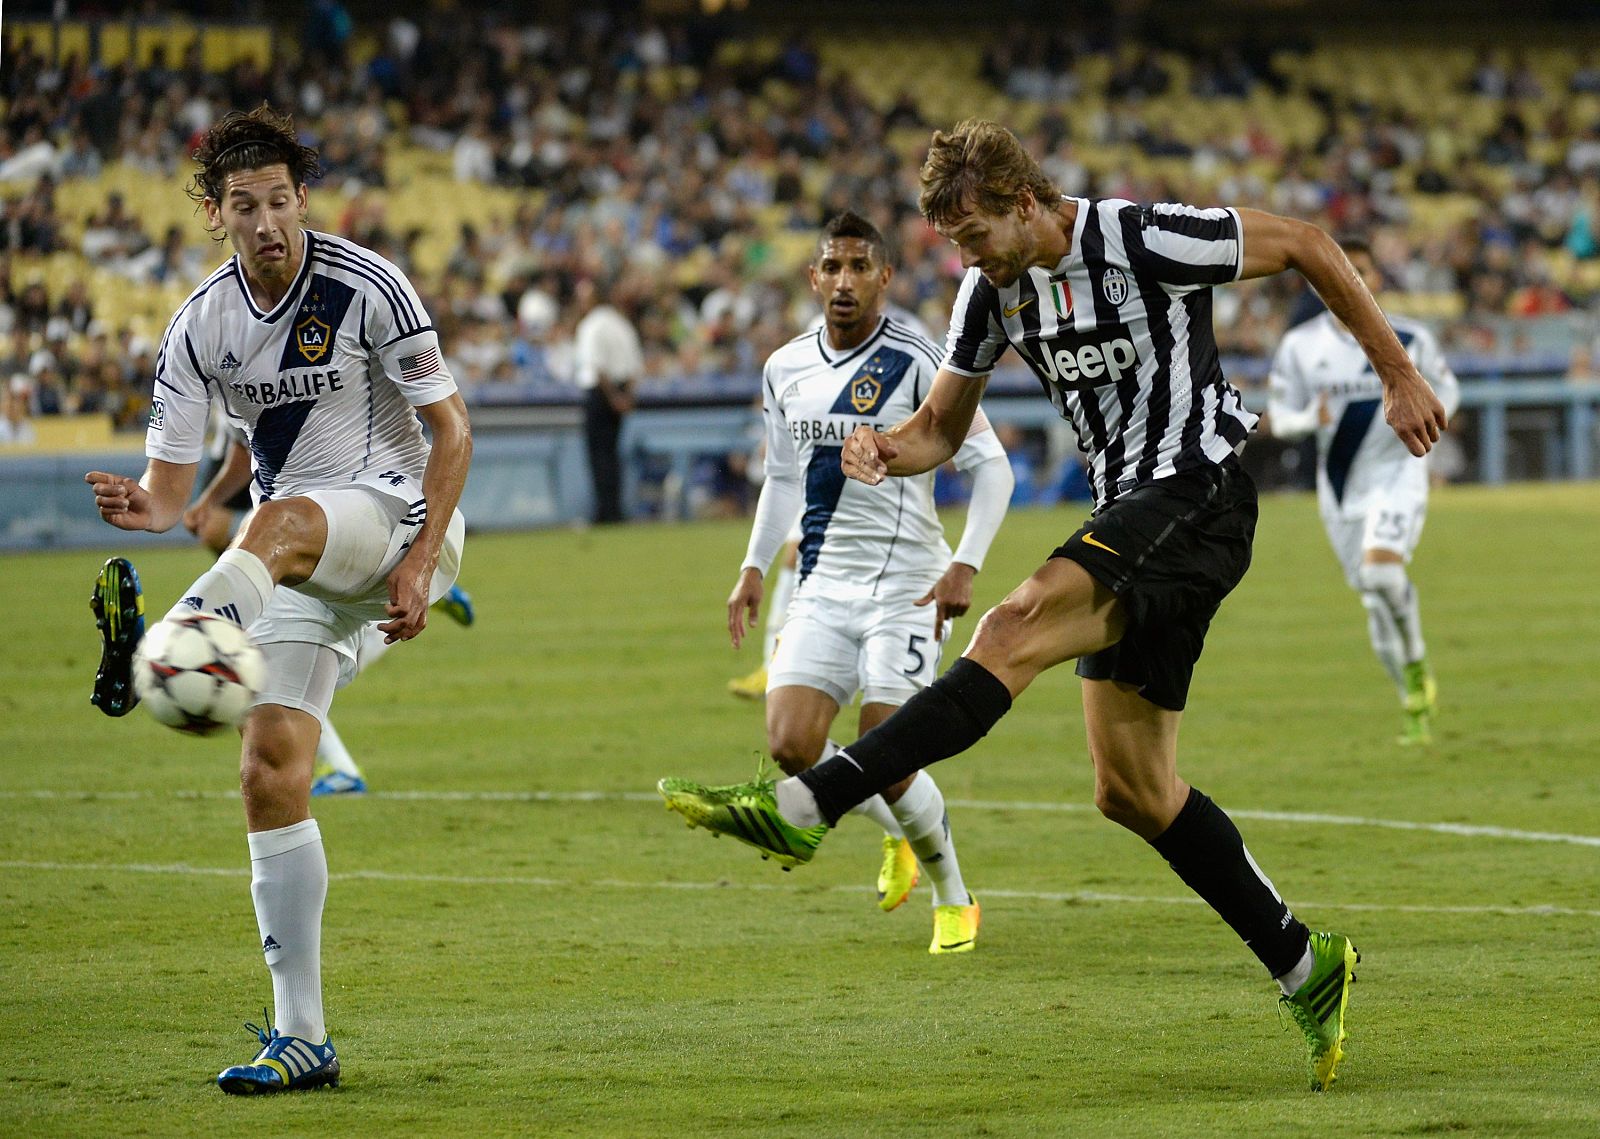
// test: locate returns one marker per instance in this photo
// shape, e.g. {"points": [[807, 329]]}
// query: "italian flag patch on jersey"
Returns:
{"points": [[1061, 297]]}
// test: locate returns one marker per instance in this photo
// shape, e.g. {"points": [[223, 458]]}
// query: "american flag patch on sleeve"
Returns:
{"points": [[420, 366]]}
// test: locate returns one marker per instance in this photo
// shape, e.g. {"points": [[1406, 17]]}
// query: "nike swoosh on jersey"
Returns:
{"points": [[1090, 540], [1012, 310]]}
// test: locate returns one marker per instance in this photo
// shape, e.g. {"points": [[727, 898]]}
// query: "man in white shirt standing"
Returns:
{"points": [[609, 361], [1372, 491], [878, 586]]}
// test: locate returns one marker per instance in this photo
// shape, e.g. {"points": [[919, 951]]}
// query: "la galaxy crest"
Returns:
{"points": [[313, 336], [872, 385], [865, 392]]}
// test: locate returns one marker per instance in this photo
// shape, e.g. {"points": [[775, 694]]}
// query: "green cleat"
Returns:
{"points": [[748, 812], [1416, 730], [1318, 1005], [1421, 704]]}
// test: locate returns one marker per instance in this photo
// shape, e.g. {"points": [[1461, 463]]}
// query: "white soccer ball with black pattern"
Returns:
{"points": [[198, 673]]}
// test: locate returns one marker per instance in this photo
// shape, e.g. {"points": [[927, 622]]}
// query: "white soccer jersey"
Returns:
{"points": [[1119, 333], [1359, 459], [323, 386], [853, 536]]}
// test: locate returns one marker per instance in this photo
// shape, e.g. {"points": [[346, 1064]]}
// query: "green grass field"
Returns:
{"points": [[520, 940]]}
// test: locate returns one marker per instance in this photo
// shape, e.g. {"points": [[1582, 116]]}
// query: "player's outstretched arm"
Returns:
{"points": [[442, 481], [154, 503], [930, 437], [1273, 244]]}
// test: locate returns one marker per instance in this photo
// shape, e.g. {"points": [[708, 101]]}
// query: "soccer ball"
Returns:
{"points": [[197, 673]]}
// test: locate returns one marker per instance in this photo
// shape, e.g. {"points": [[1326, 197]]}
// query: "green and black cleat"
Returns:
{"points": [[118, 606]]}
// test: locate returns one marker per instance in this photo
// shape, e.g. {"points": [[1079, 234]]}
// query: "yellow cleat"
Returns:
{"points": [[955, 928], [752, 687], [898, 875]]}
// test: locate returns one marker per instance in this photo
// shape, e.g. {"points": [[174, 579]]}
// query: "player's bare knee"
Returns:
{"points": [[1003, 633], [288, 536], [1137, 809]]}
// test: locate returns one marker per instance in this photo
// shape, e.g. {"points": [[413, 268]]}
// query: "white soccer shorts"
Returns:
{"points": [[885, 650], [370, 528], [1392, 521]]}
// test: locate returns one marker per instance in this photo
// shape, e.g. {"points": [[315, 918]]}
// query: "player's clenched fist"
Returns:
{"points": [[866, 454], [121, 501], [1415, 414]]}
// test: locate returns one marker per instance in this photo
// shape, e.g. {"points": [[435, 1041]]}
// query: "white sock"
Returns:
{"points": [[289, 881], [1385, 638], [331, 751], [237, 587], [927, 828], [1389, 586], [874, 808], [1291, 981], [777, 610], [797, 804], [879, 812]]}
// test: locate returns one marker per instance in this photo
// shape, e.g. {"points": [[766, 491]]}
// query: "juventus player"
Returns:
{"points": [[877, 584], [1109, 304], [325, 356], [1372, 491]]}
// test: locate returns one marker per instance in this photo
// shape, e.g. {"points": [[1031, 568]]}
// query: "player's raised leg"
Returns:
{"points": [[281, 544], [1059, 613]]}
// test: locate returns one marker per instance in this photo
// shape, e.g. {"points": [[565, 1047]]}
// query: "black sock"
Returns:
{"points": [[1206, 850], [944, 719]]}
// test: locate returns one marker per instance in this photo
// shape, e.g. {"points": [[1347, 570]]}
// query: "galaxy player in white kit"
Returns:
{"points": [[877, 584], [1372, 491], [326, 358]]}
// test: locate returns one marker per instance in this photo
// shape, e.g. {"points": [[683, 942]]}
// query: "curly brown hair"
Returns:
{"points": [[249, 140], [979, 165]]}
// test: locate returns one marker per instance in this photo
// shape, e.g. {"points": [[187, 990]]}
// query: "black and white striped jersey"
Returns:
{"points": [[1119, 333]]}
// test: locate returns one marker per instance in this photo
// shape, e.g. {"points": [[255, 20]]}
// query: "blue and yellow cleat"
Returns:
{"points": [[284, 1064], [118, 605], [338, 783], [457, 605]]}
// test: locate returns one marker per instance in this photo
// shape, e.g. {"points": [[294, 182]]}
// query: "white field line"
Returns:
{"points": [[181, 869], [1461, 830]]}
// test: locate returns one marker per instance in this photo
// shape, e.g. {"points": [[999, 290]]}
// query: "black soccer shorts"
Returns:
{"points": [[1170, 550]]}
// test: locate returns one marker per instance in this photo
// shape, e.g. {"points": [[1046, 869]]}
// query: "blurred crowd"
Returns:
{"points": [[683, 177]]}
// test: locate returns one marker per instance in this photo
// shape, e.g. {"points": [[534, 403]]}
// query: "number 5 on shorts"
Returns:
{"points": [[914, 654]]}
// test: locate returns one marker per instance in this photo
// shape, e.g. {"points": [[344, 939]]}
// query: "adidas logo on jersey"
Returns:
{"points": [[229, 360], [193, 602]]}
